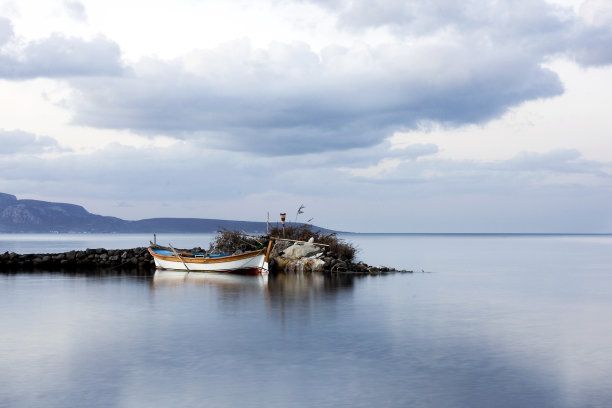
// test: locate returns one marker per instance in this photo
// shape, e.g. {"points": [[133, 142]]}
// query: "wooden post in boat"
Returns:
{"points": [[268, 250], [179, 257]]}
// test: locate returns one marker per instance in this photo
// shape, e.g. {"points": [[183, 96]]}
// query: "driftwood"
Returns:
{"points": [[295, 240]]}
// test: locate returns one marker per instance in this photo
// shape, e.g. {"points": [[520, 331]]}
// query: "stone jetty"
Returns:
{"points": [[85, 260], [139, 259]]}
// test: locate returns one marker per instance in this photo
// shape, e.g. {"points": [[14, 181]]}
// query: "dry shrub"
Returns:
{"points": [[227, 242], [338, 248]]}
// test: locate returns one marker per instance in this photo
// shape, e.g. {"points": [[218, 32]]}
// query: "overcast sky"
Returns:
{"points": [[395, 116]]}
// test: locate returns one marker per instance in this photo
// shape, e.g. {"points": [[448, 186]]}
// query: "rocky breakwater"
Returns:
{"points": [[309, 257], [86, 260]]}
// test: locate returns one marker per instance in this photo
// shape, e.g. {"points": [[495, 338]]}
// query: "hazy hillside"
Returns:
{"points": [[42, 216]]}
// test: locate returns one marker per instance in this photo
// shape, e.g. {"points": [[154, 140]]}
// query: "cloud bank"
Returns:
{"points": [[289, 99], [16, 142], [449, 62], [296, 121], [416, 192], [56, 56]]}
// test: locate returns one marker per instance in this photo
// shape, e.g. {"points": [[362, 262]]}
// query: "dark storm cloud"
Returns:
{"points": [[18, 142]]}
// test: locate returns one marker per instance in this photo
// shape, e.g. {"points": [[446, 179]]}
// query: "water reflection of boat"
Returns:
{"points": [[247, 263], [176, 278]]}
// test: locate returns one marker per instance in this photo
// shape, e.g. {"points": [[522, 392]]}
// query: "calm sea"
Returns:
{"points": [[485, 321]]}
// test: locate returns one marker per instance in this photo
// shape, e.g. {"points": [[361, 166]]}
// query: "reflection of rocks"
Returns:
{"points": [[305, 287], [86, 260], [295, 297], [300, 265]]}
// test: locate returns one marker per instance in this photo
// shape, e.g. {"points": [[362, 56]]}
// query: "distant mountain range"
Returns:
{"points": [[36, 216]]}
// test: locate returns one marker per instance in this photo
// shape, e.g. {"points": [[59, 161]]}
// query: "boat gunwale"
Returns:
{"points": [[191, 259]]}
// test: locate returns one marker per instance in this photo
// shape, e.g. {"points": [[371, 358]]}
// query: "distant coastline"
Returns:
{"points": [[484, 234], [44, 217], [35, 216]]}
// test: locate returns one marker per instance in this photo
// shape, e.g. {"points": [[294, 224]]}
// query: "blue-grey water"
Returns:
{"points": [[495, 321]]}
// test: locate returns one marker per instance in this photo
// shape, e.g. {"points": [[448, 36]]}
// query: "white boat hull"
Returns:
{"points": [[231, 266], [253, 263]]}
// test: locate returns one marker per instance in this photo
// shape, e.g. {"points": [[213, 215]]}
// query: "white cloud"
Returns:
{"points": [[596, 12], [76, 10], [579, 119], [17, 142], [338, 188], [296, 101], [288, 99], [6, 31], [59, 56]]}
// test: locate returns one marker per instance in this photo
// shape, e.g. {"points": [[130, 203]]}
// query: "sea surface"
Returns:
{"points": [[484, 321]]}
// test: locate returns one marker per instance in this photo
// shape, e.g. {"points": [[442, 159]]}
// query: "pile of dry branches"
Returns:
{"points": [[228, 242], [338, 248]]}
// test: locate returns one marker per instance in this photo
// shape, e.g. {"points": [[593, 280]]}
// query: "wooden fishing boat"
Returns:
{"points": [[247, 263]]}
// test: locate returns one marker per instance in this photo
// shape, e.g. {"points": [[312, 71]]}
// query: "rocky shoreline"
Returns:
{"points": [[139, 259], [85, 260]]}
